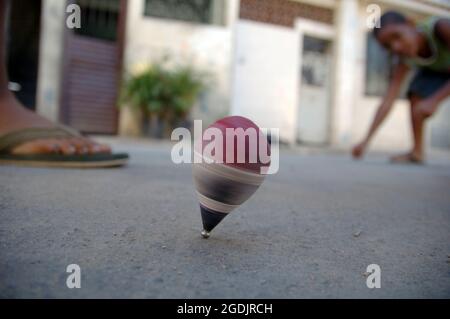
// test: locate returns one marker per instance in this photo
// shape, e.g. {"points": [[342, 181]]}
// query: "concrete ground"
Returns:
{"points": [[310, 231]]}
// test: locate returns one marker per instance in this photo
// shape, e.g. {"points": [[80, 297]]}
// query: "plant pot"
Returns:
{"points": [[155, 126], [170, 125], [131, 121]]}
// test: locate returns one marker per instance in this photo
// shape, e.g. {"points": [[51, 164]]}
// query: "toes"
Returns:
{"points": [[103, 148], [61, 146], [37, 147], [80, 145], [406, 158], [95, 148], [86, 146], [67, 148]]}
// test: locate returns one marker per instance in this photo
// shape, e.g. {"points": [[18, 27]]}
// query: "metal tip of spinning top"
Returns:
{"points": [[210, 220], [205, 234]]}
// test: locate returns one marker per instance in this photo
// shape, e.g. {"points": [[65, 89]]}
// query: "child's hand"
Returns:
{"points": [[358, 150], [425, 108]]}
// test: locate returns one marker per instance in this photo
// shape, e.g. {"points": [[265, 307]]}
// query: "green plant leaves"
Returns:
{"points": [[166, 92]]}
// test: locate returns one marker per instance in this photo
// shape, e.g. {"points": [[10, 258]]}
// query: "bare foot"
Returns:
{"points": [[408, 158], [13, 116]]}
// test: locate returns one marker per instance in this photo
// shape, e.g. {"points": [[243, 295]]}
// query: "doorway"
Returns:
{"points": [[314, 91], [23, 49], [92, 67]]}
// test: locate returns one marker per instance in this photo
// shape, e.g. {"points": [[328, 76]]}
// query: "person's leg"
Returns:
{"points": [[418, 122], [3, 77], [416, 155], [14, 116]]}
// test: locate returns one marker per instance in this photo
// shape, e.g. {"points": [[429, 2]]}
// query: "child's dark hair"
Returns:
{"points": [[389, 17]]}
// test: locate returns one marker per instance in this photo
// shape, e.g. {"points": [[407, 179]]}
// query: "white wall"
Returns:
{"points": [[266, 80], [346, 68], [265, 76], [206, 46], [50, 58]]}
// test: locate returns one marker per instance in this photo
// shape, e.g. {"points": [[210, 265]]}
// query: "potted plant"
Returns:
{"points": [[165, 95]]}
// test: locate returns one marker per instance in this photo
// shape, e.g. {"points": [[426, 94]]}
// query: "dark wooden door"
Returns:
{"points": [[23, 49], [92, 67]]}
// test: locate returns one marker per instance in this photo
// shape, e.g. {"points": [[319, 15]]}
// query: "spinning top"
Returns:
{"points": [[227, 167]]}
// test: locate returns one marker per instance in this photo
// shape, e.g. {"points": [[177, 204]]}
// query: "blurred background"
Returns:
{"points": [[141, 67], [136, 69]]}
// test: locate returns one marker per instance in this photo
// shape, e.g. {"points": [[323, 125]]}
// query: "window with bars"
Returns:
{"points": [[99, 18], [379, 64], [195, 11]]}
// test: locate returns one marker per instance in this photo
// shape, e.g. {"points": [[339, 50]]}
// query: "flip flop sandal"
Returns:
{"points": [[13, 139]]}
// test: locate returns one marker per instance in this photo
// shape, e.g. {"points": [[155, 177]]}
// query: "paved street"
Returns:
{"points": [[309, 231]]}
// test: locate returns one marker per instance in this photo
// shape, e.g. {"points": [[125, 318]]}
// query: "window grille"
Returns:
{"points": [[197, 11]]}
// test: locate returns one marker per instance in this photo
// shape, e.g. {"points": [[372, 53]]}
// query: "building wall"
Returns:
{"points": [[268, 59], [51, 58], [267, 46], [265, 76], [206, 46], [283, 12]]}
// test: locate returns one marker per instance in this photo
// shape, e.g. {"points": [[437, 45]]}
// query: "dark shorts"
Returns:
{"points": [[426, 82]]}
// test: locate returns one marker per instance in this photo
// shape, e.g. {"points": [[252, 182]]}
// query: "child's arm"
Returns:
{"points": [[399, 74]]}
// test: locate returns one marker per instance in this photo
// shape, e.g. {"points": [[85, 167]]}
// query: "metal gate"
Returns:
{"points": [[92, 67]]}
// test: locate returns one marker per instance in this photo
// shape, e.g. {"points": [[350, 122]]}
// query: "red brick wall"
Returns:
{"points": [[282, 12]]}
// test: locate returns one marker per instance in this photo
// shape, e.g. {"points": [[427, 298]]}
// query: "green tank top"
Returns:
{"points": [[440, 59]]}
